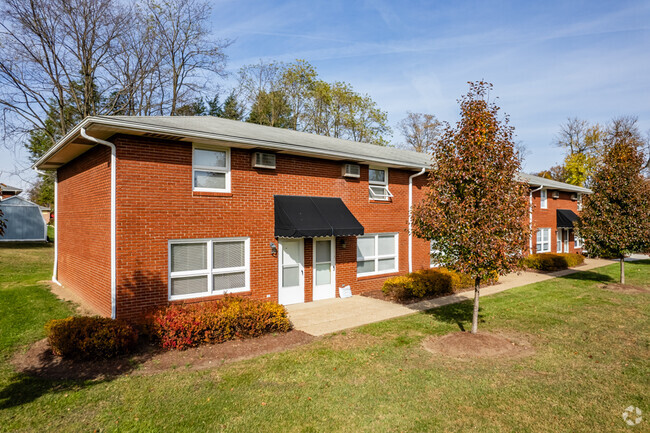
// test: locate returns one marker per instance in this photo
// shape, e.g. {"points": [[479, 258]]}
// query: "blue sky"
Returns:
{"points": [[548, 60]]}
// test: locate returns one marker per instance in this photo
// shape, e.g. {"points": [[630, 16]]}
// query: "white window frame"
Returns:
{"points": [[542, 242], [209, 272], [579, 202], [577, 240], [377, 256], [432, 250], [543, 199], [225, 169], [374, 196]]}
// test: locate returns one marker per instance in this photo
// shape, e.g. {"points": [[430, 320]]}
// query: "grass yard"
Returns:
{"points": [[591, 361]]}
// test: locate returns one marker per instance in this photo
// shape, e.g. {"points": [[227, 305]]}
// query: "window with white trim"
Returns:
{"points": [[378, 183], [577, 240], [377, 254], [210, 169], [433, 250], [208, 267], [544, 240], [543, 199], [579, 202]]}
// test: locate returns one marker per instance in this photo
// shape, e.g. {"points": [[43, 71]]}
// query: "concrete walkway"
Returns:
{"points": [[333, 315]]}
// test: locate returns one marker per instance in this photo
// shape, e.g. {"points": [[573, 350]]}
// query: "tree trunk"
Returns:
{"points": [[477, 283], [622, 270]]}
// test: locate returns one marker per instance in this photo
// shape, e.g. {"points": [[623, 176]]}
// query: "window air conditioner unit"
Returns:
{"points": [[263, 160], [556, 194], [351, 170], [574, 196]]}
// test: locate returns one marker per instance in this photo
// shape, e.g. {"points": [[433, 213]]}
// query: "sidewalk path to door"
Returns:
{"points": [[333, 315]]}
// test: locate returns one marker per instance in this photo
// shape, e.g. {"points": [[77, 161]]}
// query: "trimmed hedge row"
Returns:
{"points": [[82, 338], [552, 261], [427, 282], [182, 326], [175, 327]]}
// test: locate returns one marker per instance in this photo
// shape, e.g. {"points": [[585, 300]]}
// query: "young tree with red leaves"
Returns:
{"points": [[614, 221], [475, 210]]}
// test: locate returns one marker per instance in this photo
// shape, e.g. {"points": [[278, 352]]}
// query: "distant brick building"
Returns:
{"points": [[205, 206]]}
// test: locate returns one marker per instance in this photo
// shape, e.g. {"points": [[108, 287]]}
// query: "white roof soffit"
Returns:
{"points": [[167, 127]]}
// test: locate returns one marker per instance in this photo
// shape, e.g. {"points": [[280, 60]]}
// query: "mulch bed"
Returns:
{"points": [[39, 361], [465, 345], [625, 288]]}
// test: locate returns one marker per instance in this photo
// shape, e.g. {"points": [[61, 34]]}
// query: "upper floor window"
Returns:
{"points": [[579, 202], [378, 180], [543, 199], [210, 169]]}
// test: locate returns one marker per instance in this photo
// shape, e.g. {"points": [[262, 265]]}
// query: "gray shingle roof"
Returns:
{"points": [[201, 128], [5, 187], [552, 184], [266, 136]]}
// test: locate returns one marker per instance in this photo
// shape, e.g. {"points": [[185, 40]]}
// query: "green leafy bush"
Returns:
{"points": [[427, 282], [90, 337], [552, 261], [182, 326]]}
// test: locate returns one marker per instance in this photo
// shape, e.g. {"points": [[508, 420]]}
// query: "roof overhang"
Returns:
{"points": [[72, 145]]}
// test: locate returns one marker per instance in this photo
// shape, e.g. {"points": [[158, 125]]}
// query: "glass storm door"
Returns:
{"points": [[566, 240], [324, 269], [291, 278]]}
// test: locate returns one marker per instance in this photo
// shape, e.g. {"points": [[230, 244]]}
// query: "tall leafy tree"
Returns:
{"points": [[475, 210], [420, 131], [232, 108], [614, 221], [271, 109]]}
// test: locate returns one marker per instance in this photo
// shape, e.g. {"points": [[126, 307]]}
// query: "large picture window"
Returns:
{"points": [[208, 267], [377, 254], [210, 169], [544, 240]]}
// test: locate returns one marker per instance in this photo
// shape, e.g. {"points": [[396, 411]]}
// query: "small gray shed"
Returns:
{"points": [[24, 220]]}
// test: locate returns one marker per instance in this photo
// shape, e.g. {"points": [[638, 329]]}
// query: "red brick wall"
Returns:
{"points": [[83, 213], [547, 218], [155, 203]]}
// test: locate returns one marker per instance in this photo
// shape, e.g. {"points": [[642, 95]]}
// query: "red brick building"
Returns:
{"points": [[152, 210]]}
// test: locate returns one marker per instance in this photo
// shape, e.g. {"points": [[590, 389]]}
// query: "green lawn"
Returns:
{"points": [[592, 361]]}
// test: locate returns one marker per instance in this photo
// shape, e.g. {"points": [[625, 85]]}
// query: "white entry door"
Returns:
{"points": [[559, 240], [324, 269], [566, 240], [291, 273]]}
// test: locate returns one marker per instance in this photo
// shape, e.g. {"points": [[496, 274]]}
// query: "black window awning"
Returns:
{"points": [[565, 218], [309, 217]]}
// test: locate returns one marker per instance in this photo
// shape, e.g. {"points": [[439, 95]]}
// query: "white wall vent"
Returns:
{"points": [[351, 170], [263, 160]]}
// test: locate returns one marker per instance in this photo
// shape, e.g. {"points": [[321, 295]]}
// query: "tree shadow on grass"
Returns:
{"points": [[40, 372], [589, 276], [459, 314]]}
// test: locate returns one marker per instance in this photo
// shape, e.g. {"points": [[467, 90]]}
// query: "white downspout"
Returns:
{"points": [[55, 267], [113, 248], [530, 216], [410, 218]]}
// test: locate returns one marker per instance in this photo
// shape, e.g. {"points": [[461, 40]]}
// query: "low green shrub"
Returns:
{"points": [[182, 326], [83, 338], [426, 282], [552, 261]]}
